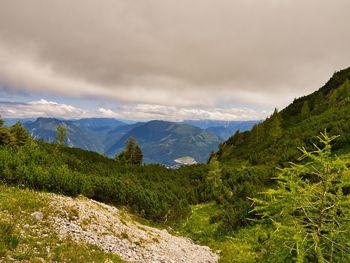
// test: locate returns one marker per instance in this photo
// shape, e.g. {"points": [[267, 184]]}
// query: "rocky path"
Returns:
{"points": [[113, 230]]}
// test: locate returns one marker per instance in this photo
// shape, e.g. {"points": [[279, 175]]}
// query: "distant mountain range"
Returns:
{"points": [[87, 134], [161, 141], [223, 129]]}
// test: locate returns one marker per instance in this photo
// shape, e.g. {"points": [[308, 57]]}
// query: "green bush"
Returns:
{"points": [[155, 192]]}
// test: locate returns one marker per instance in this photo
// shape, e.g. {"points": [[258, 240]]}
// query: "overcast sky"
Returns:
{"points": [[162, 59]]}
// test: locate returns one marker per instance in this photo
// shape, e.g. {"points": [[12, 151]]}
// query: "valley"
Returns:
{"points": [[161, 142]]}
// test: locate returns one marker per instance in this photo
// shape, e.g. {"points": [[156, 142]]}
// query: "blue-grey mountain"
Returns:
{"points": [[161, 141], [223, 129]]}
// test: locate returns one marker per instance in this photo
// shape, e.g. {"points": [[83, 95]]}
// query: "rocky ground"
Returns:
{"points": [[114, 231]]}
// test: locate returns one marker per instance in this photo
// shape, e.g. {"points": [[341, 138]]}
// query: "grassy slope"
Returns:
{"points": [[22, 237], [199, 228], [245, 246]]}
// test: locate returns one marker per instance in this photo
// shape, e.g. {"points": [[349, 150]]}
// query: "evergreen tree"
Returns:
{"points": [[309, 210], [213, 179], [132, 155], [257, 133], [235, 138], [20, 135], [61, 134], [120, 158], [6, 137], [342, 93], [319, 103], [138, 155], [305, 110], [275, 129], [130, 150]]}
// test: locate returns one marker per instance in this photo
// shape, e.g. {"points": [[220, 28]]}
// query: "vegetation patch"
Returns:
{"points": [[24, 238]]}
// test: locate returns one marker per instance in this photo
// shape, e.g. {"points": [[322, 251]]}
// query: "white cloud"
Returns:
{"points": [[43, 102], [107, 112], [52, 107], [41, 108], [44, 108]]}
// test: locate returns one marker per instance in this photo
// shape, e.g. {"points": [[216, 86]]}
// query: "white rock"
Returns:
{"points": [[133, 241], [37, 215]]}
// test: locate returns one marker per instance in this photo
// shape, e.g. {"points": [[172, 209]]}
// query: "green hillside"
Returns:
{"points": [[249, 159], [275, 140], [248, 162]]}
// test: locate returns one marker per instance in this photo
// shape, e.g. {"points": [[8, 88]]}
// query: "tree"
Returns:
{"points": [[341, 94], [319, 103], [61, 134], [120, 158], [257, 133], [309, 211], [138, 155], [213, 178], [20, 135], [6, 137], [275, 128], [305, 110], [132, 154]]}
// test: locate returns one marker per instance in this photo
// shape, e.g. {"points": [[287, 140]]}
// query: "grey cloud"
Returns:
{"points": [[176, 53], [11, 103]]}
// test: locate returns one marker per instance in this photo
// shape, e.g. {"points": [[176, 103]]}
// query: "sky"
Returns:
{"points": [[171, 60]]}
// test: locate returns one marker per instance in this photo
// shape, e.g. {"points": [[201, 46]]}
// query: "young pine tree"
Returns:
{"points": [[20, 135], [61, 134], [305, 110], [213, 180], [6, 137], [310, 209], [275, 126], [138, 155], [132, 155]]}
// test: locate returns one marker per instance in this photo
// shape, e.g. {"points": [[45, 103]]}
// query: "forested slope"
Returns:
{"points": [[275, 140]]}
